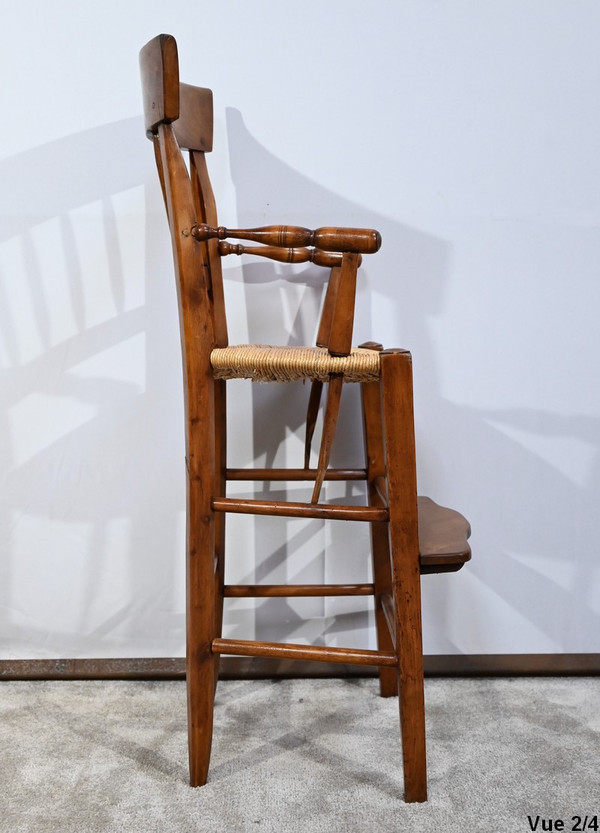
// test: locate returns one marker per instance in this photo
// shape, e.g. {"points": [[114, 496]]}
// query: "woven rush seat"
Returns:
{"points": [[263, 363]]}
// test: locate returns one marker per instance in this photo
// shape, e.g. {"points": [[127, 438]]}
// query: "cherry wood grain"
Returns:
{"points": [[443, 533], [334, 396], [380, 547], [342, 318], [197, 341], [206, 208], [291, 475], [316, 256], [292, 509], [326, 327], [326, 320], [194, 127], [358, 240], [159, 69], [397, 397], [243, 591], [339, 344], [389, 612], [220, 486], [312, 413], [443, 538], [317, 653]]}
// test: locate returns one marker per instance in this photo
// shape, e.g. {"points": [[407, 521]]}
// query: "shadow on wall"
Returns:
{"points": [[532, 566], [90, 479], [93, 473], [270, 192]]}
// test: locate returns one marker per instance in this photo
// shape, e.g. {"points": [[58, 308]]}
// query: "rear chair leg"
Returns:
{"points": [[396, 375], [205, 537], [201, 665]]}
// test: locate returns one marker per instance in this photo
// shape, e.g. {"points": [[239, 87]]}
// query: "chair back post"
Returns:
{"points": [[203, 404], [183, 199]]}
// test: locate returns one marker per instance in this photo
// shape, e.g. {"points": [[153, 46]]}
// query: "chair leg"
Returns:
{"points": [[201, 666], [202, 580], [380, 546], [220, 517], [396, 374], [334, 395], [312, 413]]}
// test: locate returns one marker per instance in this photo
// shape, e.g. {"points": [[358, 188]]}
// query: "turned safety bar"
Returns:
{"points": [[317, 256], [358, 240]]}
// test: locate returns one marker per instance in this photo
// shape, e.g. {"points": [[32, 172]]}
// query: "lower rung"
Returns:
{"points": [[242, 591], [317, 653], [331, 511]]}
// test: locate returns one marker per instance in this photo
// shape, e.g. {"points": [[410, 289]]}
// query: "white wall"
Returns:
{"points": [[468, 133]]}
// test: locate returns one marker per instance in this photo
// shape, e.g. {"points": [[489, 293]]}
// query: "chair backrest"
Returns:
{"points": [[180, 117]]}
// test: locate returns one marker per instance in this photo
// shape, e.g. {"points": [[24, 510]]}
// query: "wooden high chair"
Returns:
{"points": [[410, 535]]}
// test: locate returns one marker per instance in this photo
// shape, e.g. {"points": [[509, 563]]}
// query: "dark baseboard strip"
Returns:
{"points": [[512, 665], [93, 669], [173, 668]]}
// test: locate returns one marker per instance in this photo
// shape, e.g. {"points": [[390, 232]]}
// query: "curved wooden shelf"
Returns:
{"points": [[443, 538]]}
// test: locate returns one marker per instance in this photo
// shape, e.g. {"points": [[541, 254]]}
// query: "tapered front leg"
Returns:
{"points": [[380, 547], [396, 374]]}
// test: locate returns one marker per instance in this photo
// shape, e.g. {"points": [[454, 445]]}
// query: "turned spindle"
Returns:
{"points": [[365, 241], [316, 256]]}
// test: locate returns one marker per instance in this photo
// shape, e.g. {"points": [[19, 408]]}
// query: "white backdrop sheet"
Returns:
{"points": [[466, 132]]}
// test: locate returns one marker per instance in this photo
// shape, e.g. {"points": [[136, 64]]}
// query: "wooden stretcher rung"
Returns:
{"points": [[317, 653], [242, 591], [294, 474], [329, 511]]}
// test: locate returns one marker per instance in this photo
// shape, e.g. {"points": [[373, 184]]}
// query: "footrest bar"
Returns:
{"points": [[317, 653], [295, 474], [244, 591], [329, 511]]}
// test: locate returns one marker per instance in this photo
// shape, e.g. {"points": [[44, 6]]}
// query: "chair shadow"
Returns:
{"points": [[84, 447], [468, 457], [75, 469]]}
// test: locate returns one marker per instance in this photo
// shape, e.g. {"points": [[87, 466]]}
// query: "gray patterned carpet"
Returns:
{"points": [[295, 755]]}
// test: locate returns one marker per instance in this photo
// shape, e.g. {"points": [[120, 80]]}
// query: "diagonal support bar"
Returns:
{"points": [[282, 650]]}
